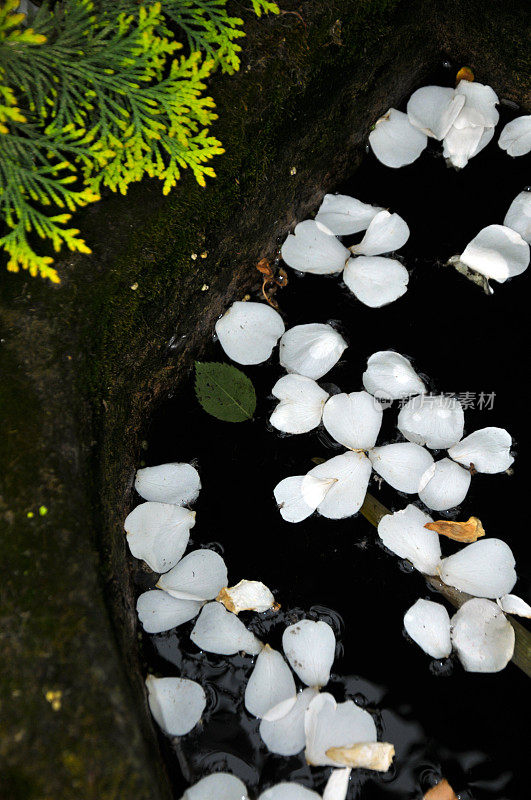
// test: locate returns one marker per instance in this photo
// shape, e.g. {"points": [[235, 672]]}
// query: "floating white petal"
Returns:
{"points": [[482, 636], [301, 404], [434, 421], [199, 576], [428, 624], [462, 144], [512, 604], [516, 136], [433, 109], [219, 631], [339, 485], [177, 484], [286, 736], [401, 465], [270, 692], [497, 252], [330, 724], [312, 247], [473, 127], [289, 791], [377, 756], [176, 703], [390, 376], [484, 569], [218, 786], [344, 215], [311, 350], [394, 140], [375, 280], [337, 785], [480, 100], [158, 533], [354, 420], [444, 485], [248, 332], [291, 504], [310, 649], [404, 534], [158, 611], [386, 233], [518, 216], [488, 450], [247, 596]]}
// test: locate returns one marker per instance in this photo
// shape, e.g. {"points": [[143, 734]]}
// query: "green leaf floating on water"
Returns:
{"points": [[224, 391]]}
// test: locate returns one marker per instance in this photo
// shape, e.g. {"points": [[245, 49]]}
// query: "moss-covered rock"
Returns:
{"points": [[85, 362]]}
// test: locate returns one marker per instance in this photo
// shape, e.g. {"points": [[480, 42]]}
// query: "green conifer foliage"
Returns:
{"points": [[98, 93]]}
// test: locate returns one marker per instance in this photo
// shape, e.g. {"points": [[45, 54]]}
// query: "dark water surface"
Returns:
{"points": [[471, 728]]}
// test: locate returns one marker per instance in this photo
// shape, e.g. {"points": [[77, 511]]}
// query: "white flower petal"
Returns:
{"points": [[394, 140], [330, 724], [401, 465], [376, 281], [433, 109], [386, 233], [249, 331], [178, 484], [159, 612], [286, 736], [337, 785], [482, 636], [312, 247], [291, 504], [434, 421], [484, 569], [404, 534], [487, 450], [481, 99], [497, 252], [444, 485], [247, 596], [486, 137], [301, 404], [310, 649], [344, 480], [218, 786], [289, 791], [270, 692], [518, 216], [158, 533], [365, 755], [512, 604], [428, 624], [176, 703], [345, 215], [353, 420], [219, 631], [516, 136], [391, 376], [199, 576], [311, 350]]}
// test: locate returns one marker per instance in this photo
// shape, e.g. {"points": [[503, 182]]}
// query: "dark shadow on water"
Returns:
{"points": [[470, 728]]}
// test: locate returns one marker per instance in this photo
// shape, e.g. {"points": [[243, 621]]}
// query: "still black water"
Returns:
{"points": [[473, 729]]}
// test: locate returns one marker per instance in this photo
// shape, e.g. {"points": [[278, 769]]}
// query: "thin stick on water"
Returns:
{"points": [[373, 511]]}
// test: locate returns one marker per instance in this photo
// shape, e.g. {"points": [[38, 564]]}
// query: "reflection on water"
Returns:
{"points": [[443, 721]]}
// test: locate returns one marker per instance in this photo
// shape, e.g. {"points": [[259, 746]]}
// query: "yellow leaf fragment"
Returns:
{"points": [[469, 531], [442, 791], [368, 755], [464, 74]]}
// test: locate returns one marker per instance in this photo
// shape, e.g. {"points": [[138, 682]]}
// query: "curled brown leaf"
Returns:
{"points": [[441, 791], [469, 531]]}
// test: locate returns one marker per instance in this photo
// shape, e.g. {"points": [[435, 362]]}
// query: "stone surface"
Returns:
{"points": [[83, 363]]}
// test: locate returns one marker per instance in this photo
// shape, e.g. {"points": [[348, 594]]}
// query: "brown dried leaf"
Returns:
{"points": [[442, 791], [464, 74], [368, 755], [469, 531]]}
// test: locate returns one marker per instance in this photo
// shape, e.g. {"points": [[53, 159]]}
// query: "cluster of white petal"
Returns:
{"points": [[462, 118], [337, 487], [374, 279]]}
